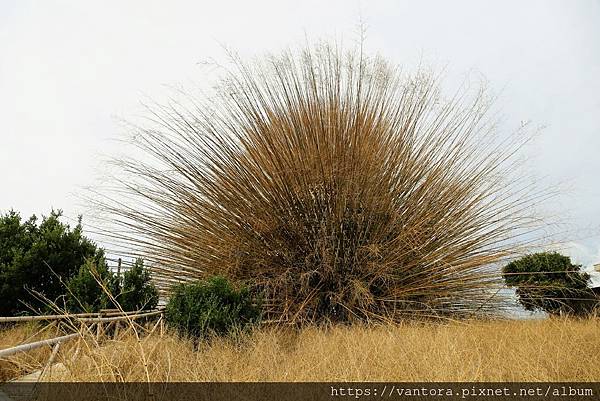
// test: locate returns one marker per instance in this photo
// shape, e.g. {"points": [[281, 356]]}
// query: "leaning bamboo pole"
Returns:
{"points": [[130, 316], [27, 347]]}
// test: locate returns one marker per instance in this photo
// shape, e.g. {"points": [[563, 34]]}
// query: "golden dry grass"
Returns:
{"points": [[25, 362], [539, 350]]}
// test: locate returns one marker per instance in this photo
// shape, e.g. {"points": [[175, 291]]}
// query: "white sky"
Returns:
{"points": [[68, 68]]}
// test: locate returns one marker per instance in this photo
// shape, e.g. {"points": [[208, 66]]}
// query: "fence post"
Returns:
{"points": [[99, 327], [162, 324], [48, 366]]}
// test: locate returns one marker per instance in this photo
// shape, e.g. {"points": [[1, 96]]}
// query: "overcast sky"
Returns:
{"points": [[70, 69]]}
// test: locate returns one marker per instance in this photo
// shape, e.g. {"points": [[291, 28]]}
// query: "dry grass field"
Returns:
{"points": [[534, 350], [25, 362]]}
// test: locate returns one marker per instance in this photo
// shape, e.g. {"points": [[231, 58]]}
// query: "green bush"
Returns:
{"points": [[84, 293], [211, 307], [137, 290], [548, 281], [38, 257]]}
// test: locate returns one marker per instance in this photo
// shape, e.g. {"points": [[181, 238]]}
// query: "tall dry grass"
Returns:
{"points": [[538, 350], [26, 362], [333, 184]]}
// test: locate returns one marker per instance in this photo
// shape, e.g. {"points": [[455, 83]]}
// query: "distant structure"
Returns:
{"points": [[596, 289]]}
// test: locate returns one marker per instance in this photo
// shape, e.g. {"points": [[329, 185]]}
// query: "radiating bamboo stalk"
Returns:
{"points": [[337, 187]]}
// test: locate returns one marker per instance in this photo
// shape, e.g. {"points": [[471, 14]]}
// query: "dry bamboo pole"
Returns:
{"points": [[114, 312], [99, 326], [120, 318], [8, 319], [48, 365], [34, 345], [119, 313], [117, 326]]}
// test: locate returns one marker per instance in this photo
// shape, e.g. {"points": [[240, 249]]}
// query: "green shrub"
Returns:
{"points": [[210, 307], [84, 293], [38, 257], [548, 281], [137, 291]]}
